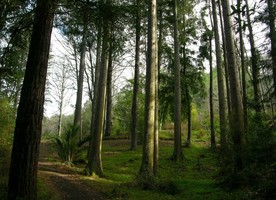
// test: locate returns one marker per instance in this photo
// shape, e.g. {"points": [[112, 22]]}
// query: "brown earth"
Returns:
{"points": [[61, 181]]}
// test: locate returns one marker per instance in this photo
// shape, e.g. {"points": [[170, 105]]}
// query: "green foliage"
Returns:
{"points": [[68, 146], [7, 120], [260, 156], [182, 181], [122, 109], [258, 175]]}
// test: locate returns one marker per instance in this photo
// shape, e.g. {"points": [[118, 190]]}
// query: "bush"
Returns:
{"points": [[260, 156], [68, 145], [259, 162]]}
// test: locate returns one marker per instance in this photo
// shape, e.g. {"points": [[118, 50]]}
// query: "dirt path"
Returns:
{"points": [[61, 181]]}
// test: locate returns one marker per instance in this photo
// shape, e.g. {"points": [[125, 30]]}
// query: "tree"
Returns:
{"points": [[27, 133], [254, 61], [177, 154], [80, 75], [221, 93], [236, 115], [242, 57], [146, 169], [272, 17], [15, 33], [225, 62], [94, 160], [134, 111], [108, 120], [60, 84], [213, 138]]}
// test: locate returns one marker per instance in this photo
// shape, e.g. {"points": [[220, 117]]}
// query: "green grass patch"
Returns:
{"points": [[191, 179]]}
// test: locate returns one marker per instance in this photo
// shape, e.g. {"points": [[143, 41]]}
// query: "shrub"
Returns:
{"points": [[259, 162], [260, 156], [69, 145]]}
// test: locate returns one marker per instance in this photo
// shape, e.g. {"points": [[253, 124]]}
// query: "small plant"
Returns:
{"points": [[69, 145]]}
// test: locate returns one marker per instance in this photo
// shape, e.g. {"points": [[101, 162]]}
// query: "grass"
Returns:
{"points": [[192, 179]]}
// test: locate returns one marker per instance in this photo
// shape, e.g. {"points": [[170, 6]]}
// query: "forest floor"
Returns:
{"points": [[61, 181], [192, 179]]}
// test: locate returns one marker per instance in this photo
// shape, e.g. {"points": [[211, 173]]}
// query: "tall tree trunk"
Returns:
{"points": [[108, 121], [177, 154], [135, 103], [221, 93], [236, 116], [272, 16], [244, 93], [60, 117], [60, 120], [78, 108], [189, 113], [27, 133], [96, 83], [60, 106], [156, 121], [95, 161], [225, 60], [158, 62], [212, 127], [254, 61], [146, 170]]}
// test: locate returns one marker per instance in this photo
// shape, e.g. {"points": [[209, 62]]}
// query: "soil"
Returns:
{"points": [[61, 181]]}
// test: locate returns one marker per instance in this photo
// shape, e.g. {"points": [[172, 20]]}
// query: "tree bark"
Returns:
{"points": [[189, 109], [78, 108], [221, 93], [96, 83], [236, 116], [108, 121], [27, 133], [177, 154], [146, 169], [95, 161], [213, 138], [272, 16], [244, 93], [158, 61], [225, 60], [254, 61], [135, 103], [61, 100]]}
